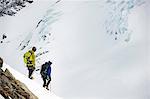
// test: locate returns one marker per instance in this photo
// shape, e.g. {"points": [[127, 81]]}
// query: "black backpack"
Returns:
{"points": [[43, 71]]}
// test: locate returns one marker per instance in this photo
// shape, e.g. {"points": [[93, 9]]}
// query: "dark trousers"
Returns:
{"points": [[46, 81], [30, 69]]}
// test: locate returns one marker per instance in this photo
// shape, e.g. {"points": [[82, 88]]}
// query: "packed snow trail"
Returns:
{"points": [[32, 85]]}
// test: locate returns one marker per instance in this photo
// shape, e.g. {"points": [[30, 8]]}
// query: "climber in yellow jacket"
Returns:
{"points": [[29, 60]]}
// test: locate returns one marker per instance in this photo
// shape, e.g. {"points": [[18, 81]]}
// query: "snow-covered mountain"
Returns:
{"points": [[11, 7], [89, 62]]}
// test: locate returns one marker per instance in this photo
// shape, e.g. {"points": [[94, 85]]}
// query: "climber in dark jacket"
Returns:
{"points": [[46, 74]]}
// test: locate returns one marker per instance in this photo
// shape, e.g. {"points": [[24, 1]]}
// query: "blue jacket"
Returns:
{"points": [[49, 70]]}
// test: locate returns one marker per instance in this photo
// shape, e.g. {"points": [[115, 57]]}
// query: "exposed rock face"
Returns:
{"points": [[11, 7], [10, 88]]}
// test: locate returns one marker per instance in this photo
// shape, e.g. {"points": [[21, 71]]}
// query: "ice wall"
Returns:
{"points": [[117, 20]]}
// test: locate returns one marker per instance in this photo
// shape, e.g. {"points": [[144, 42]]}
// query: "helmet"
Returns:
{"points": [[34, 49], [49, 62]]}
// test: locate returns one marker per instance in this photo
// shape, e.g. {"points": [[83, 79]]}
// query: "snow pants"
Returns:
{"points": [[30, 69], [46, 81]]}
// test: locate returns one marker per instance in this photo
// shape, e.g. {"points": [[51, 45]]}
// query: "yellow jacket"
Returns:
{"points": [[29, 58]]}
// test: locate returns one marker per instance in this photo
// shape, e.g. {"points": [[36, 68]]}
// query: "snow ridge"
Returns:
{"points": [[37, 89]]}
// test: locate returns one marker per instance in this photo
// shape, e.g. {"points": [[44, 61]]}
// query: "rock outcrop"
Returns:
{"points": [[11, 7], [10, 88]]}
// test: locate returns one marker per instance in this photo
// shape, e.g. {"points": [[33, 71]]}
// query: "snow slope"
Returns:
{"points": [[92, 64], [88, 63], [32, 85], [1, 97]]}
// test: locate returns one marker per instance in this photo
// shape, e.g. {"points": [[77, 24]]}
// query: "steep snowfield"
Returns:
{"points": [[87, 62], [21, 28], [33, 86], [92, 64]]}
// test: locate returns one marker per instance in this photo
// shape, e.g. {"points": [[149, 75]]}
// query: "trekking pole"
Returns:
{"points": [[38, 68]]}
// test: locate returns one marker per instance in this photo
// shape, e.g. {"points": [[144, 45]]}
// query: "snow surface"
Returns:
{"points": [[88, 63], [1, 97], [32, 85]]}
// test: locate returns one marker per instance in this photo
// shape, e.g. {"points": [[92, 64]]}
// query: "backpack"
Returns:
{"points": [[27, 56], [43, 71]]}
